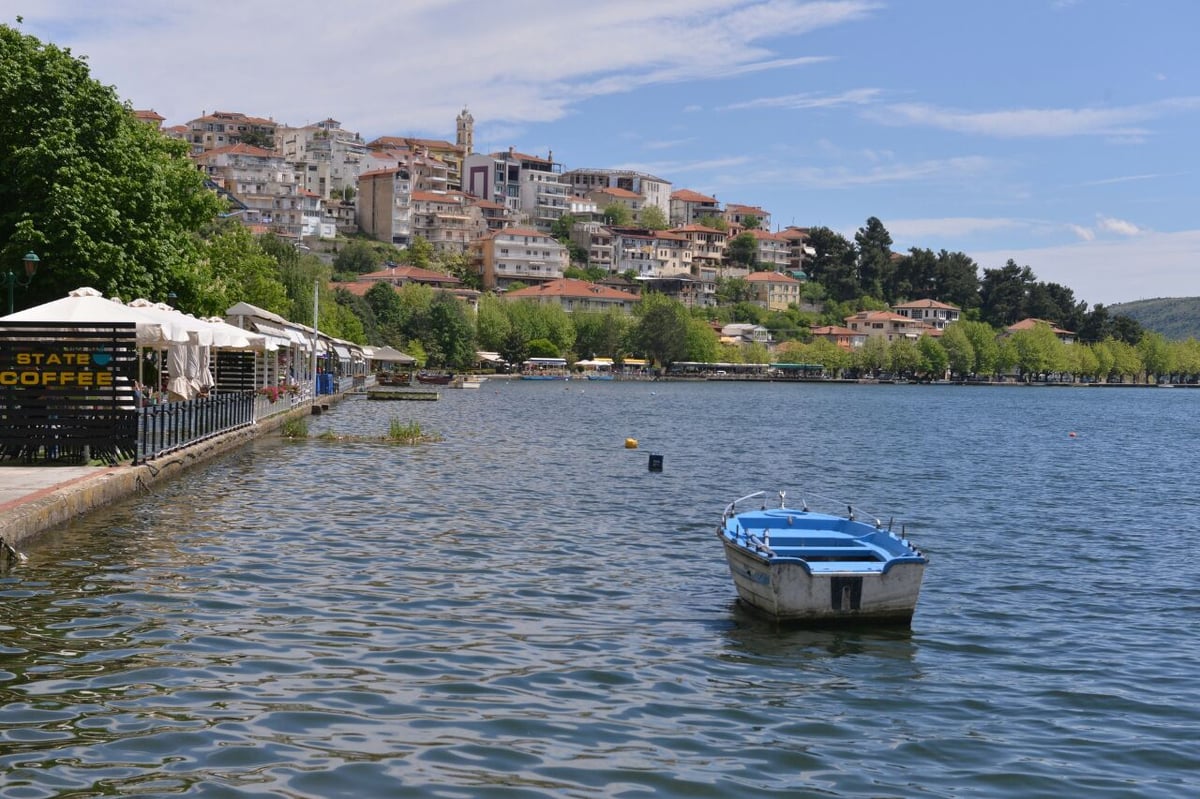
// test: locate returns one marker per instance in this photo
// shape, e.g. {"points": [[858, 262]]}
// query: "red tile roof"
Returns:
{"points": [[689, 196], [572, 288]]}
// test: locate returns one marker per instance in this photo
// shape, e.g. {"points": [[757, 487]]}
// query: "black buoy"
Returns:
{"points": [[656, 463]]}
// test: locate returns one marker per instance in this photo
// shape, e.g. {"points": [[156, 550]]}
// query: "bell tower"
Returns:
{"points": [[466, 132]]}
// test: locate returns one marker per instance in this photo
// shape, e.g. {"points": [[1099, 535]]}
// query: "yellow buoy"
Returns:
{"points": [[631, 443]]}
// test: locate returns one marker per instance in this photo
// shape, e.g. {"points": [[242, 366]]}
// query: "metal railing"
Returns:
{"points": [[168, 426]]}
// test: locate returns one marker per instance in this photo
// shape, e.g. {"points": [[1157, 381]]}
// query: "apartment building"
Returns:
{"points": [[447, 220], [933, 313], [517, 255], [384, 203], [576, 295], [886, 325], [688, 207], [264, 185], [527, 184], [222, 129], [653, 190], [327, 157], [707, 246], [774, 251], [597, 240], [773, 290], [385, 195], [741, 217], [692, 290], [621, 198], [799, 250]]}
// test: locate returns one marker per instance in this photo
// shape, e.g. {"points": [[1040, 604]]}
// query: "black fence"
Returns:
{"points": [[67, 392], [170, 425]]}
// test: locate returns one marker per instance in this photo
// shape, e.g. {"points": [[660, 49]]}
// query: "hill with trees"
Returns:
{"points": [[1174, 318]]}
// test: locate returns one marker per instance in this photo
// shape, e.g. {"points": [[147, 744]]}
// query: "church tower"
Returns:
{"points": [[466, 132]]}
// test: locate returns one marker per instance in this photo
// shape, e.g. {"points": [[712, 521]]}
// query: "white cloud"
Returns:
{"points": [[837, 177], [1083, 233], [1112, 271], [918, 229], [806, 100], [1036, 122], [528, 62], [1119, 226]]}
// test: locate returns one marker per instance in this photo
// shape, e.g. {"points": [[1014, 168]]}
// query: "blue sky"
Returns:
{"points": [[1059, 133]]}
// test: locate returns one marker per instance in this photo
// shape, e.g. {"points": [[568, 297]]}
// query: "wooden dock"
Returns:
{"points": [[401, 394]]}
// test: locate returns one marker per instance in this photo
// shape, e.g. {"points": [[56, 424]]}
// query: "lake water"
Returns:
{"points": [[526, 610]]}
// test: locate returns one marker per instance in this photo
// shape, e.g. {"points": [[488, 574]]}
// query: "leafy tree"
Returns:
{"points": [[449, 338], [984, 346], [834, 266], [532, 320], [1126, 363], [653, 218], [356, 258], [241, 271], [872, 355], [702, 342], [914, 277], [934, 358], [561, 229], [515, 348], [960, 355], [713, 221], [456, 264], [751, 222], [599, 333], [732, 290], [903, 357], [617, 215], [1003, 293], [1127, 329], [492, 326], [105, 200], [419, 253], [543, 348], [1038, 351], [749, 312], [874, 258], [360, 310], [1104, 358], [1097, 325], [1156, 356], [956, 280], [662, 328], [743, 250]]}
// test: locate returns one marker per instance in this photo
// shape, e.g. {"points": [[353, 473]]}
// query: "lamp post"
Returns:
{"points": [[11, 281]]}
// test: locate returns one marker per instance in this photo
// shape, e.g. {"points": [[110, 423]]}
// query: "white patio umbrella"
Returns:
{"points": [[88, 305]]}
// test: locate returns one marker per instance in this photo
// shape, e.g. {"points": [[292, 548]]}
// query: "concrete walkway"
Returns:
{"points": [[20, 485]]}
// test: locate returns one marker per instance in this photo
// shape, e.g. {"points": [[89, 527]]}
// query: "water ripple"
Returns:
{"points": [[516, 611]]}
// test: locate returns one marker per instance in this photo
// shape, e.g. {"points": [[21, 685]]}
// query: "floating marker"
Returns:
{"points": [[631, 443], [656, 462]]}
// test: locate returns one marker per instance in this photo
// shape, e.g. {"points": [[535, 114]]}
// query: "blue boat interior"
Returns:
{"points": [[788, 534]]}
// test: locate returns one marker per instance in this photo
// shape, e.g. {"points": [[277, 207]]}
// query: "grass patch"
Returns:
{"points": [[295, 428]]}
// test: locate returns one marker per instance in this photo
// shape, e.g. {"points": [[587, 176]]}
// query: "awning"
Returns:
{"points": [[270, 330], [342, 352]]}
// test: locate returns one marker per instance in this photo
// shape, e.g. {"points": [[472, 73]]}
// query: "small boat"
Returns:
{"points": [[799, 566], [599, 376], [434, 380]]}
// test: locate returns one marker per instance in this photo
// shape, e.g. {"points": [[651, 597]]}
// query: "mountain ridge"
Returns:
{"points": [[1175, 318]]}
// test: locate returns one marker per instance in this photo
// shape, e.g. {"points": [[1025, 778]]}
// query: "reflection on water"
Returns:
{"points": [[526, 610]]}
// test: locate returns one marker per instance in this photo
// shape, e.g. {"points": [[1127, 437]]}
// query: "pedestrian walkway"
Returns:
{"points": [[21, 485]]}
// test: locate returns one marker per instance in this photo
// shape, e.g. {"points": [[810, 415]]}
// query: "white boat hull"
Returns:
{"points": [[794, 591]]}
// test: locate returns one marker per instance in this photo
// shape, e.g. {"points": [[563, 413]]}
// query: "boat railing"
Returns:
{"points": [[851, 512]]}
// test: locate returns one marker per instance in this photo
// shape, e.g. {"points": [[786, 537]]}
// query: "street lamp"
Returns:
{"points": [[11, 281]]}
